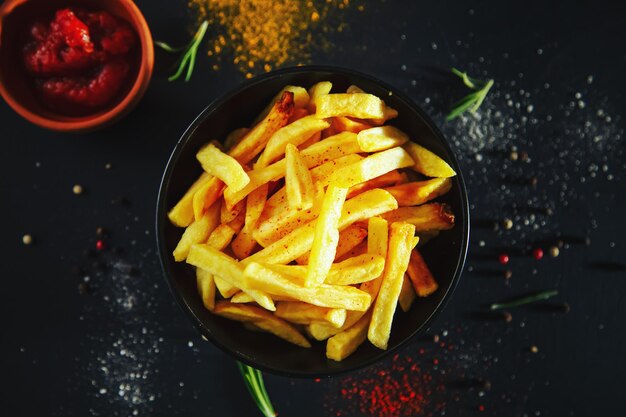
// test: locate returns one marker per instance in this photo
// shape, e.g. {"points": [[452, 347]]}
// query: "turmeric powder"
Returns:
{"points": [[260, 35]]}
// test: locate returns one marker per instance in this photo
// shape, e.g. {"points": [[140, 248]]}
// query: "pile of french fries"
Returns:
{"points": [[305, 224]]}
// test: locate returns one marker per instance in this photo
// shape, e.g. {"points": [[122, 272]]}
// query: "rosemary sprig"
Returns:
{"points": [[188, 59], [254, 382], [473, 100], [543, 295]]}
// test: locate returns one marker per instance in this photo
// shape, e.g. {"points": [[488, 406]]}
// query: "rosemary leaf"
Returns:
{"points": [[543, 295], [188, 59], [254, 382], [473, 100]]}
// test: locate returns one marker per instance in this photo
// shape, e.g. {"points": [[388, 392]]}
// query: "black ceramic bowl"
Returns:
{"points": [[445, 255]]}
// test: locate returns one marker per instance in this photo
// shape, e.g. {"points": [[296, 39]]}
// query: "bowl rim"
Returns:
{"points": [[87, 123], [161, 219]]}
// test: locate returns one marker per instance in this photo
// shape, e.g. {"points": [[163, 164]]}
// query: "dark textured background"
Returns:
{"points": [[53, 338]]}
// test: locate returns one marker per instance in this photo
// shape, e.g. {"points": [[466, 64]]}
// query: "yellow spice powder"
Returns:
{"points": [[260, 35]]}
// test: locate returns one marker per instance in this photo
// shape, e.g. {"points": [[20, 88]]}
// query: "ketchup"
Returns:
{"points": [[80, 59]]}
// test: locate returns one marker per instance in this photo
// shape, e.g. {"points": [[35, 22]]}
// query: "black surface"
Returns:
{"points": [[444, 255], [60, 349]]}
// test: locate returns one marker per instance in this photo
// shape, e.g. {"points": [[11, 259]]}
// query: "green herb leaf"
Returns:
{"points": [[543, 295], [473, 100], [188, 59], [254, 382]]}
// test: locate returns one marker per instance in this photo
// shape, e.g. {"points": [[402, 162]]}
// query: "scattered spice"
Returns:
{"points": [[27, 239], [538, 253], [508, 224], [534, 349], [100, 244], [261, 35], [77, 189], [513, 155], [508, 274], [554, 251], [503, 259]]}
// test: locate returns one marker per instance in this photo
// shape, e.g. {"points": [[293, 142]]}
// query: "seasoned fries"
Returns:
{"points": [[425, 218], [420, 276], [381, 138], [427, 163], [416, 193], [222, 166], [298, 182], [398, 255], [324, 246], [359, 105], [307, 220]]}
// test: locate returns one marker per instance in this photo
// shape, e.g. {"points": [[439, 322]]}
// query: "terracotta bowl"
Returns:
{"points": [[445, 255], [16, 86]]}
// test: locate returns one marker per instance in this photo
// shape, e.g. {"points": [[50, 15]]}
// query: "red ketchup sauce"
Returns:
{"points": [[80, 60]]}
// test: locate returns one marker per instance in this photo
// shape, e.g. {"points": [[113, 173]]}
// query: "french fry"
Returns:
{"points": [[181, 214], [407, 294], [385, 180], [221, 236], [298, 182], [298, 242], [343, 344], [427, 163], [243, 244], [422, 279], [416, 193], [390, 113], [294, 133], [355, 270], [373, 166], [303, 313], [358, 250], [322, 331], [425, 218], [328, 149], [225, 288], [223, 166], [324, 295], [316, 137], [256, 139], [343, 124], [227, 215], [381, 138], [261, 319], [255, 204], [354, 89], [298, 113], [319, 89], [300, 100], [377, 242], [206, 288], [359, 105], [223, 266], [398, 255], [326, 236], [197, 232], [206, 196], [242, 297], [234, 137]]}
